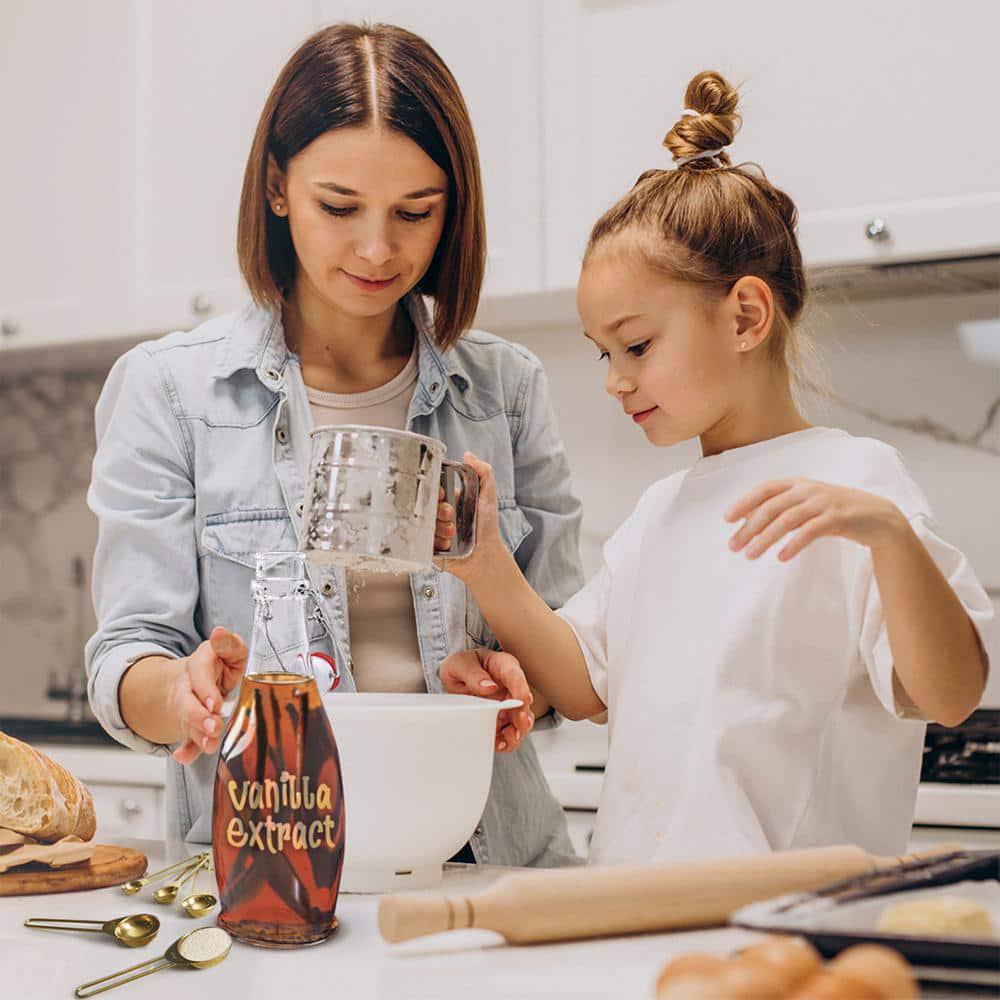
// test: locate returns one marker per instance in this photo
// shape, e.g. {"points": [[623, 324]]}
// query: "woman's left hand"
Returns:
{"points": [[811, 510]]}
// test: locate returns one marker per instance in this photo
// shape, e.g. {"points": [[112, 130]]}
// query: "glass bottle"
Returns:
{"points": [[278, 811]]}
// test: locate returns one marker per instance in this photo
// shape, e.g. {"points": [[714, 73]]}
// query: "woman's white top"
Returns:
{"points": [[751, 703], [385, 651]]}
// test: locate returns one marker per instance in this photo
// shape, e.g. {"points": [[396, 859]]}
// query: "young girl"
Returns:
{"points": [[770, 628], [361, 195]]}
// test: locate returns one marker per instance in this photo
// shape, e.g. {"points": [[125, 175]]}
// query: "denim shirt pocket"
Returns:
{"points": [[229, 544], [514, 528]]}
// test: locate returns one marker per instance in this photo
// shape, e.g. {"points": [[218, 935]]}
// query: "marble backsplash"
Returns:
{"points": [[47, 534], [896, 370]]}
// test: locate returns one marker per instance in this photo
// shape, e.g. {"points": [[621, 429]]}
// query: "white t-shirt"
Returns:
{"points": [[750, 702]]}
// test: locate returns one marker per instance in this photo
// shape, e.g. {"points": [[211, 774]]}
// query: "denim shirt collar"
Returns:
{"points": [[257, 344]]}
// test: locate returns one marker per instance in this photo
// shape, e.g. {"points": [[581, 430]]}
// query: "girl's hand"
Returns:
{"points": [[489, 544], [195, 698], [444, 526], [487, 673], [812, 510]]}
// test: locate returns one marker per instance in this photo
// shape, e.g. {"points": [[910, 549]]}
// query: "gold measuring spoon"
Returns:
{"points": [[198, 949], [131, 887], [198, 904], [132, 931], [168, 893]]}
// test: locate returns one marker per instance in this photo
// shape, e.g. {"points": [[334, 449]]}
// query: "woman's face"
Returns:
{"points": [[366, 207]]}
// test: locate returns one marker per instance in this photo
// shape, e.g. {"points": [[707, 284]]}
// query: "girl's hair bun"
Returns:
{"points": [[712, 127]]}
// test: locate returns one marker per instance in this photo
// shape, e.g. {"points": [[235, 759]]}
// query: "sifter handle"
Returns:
{"points": [[465, 500]]}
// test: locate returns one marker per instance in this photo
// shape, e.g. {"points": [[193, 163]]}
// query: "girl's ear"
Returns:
{"points": [[753, 304], [276, 182]]}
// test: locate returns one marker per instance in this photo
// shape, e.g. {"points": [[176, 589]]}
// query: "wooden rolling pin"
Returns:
{"points": [[565, 903]]}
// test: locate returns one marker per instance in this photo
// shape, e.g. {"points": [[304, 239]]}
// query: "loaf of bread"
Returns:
{"points": [[39, 797]]}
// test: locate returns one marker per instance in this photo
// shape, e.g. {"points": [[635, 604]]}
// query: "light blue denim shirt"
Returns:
{"points": [[202, 453]]}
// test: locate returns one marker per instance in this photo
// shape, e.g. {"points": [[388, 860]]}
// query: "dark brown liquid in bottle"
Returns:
{"points": [[278, 819]]}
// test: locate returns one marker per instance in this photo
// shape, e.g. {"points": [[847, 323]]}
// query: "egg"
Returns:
{"points": [[750, 981], [827, 985], [690, 970], [690, 988], [794, 959], [880, 968]]}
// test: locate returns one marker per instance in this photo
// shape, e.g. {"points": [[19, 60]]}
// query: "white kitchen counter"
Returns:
{"points": [[353, 964]]}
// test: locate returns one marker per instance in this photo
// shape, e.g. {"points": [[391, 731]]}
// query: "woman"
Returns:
{"points": [[362, 194]]}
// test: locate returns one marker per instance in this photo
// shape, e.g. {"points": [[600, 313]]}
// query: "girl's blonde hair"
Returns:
{"points": [[710, 222]]}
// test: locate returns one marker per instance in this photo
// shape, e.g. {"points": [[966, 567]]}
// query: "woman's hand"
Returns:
{"points": [[196, 696], [488, 673], [489, 544], [812, 510]]}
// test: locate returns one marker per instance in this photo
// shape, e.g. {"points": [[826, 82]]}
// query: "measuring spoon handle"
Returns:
{"points": [[121, 977], [183, 863], [62, 924]]}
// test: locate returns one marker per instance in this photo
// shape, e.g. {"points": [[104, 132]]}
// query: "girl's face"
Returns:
{"points": [[366, 207], [670, 345]]}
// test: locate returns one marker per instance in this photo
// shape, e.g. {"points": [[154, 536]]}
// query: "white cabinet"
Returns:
{"points": [[127, 811], [133, 120], [580, 824], [128, 788], [493, 51], [56, 86], [858, 110], [128, 122], [195, 78]]}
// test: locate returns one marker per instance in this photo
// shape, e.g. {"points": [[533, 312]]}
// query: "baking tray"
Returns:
{"points": [[846, 913]]}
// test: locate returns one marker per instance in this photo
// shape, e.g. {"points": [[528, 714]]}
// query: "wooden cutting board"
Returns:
{"points": [[109, 865]]}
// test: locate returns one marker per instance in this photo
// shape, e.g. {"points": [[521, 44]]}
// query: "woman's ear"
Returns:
{"points": [[753, 305], [276, 186]]}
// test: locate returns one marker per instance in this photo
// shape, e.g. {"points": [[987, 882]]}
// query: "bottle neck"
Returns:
{"points": [[279, 643]]}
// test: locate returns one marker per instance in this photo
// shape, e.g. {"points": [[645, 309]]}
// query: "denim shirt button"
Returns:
{"points": [[428, 592], [299, 507], [434, 387], [327, 589], [478, 832], [282, 435], [273, 375]]}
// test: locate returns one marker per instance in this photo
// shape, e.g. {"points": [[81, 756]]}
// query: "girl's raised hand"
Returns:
{"points": [[210, 673], [488, 673], [811, 510]]}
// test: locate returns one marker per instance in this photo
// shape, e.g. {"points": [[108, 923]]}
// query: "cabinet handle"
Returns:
{"points": [[877, 229], [200, 305], [130, 808], [9, 328]]}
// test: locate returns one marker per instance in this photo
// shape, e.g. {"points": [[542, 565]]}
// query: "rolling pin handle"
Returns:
{"points": [[405, 916]]}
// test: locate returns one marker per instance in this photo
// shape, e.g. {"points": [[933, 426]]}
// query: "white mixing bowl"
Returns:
{"points": [[417, 771]]}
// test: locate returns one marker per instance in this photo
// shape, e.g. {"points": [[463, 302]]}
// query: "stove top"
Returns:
{"points": [[968, 754]]}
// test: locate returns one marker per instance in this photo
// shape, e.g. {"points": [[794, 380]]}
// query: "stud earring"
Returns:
{"points": [[743, 345], [279, 207]]}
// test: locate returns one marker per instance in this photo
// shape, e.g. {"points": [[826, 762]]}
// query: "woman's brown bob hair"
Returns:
{"points": [[327, 85]]}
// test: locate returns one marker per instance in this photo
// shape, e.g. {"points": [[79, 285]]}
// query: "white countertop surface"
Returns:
{"points": [[353, 964]]}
